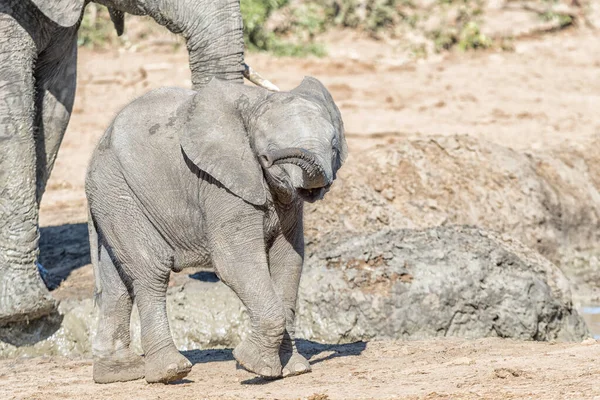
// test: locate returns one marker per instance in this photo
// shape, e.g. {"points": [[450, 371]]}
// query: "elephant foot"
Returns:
{"points": [[23, 295], [296, 365], [124, 366], [250, 357], [293, 362], [167, 366]]}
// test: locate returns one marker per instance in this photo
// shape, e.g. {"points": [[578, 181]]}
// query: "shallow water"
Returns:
{"points": [[591, 315]]}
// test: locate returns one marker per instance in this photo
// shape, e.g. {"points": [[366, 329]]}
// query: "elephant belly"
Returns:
{"points": [[197, 258], [183, 231]]}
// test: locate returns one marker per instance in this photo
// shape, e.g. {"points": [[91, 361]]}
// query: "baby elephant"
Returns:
{"points": [[215, 177]]}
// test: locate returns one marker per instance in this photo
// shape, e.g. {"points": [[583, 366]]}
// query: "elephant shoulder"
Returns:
{"points": [[155, 107], [144, 144], [148, 123]]}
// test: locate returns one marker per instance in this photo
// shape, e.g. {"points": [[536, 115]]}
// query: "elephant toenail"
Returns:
{"points": [[171, 368], [285, 372], [266, 371], [300, 367]]}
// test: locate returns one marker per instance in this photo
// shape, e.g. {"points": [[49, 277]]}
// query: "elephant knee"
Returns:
{"points": [[272, 322]]}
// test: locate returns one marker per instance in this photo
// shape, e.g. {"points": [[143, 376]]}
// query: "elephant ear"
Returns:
{"points": [[65, 13], [315, 91], [215, 139]]}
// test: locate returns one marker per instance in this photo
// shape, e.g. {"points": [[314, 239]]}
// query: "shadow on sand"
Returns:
{"points": [[314, 352], [63, 249]]}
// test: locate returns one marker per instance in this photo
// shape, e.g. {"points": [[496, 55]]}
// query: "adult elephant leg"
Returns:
{"points": [[56, 80], [23, 295], [285, 261]]}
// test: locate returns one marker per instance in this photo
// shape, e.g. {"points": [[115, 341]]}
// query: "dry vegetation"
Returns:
{"points": [[296, 27]]}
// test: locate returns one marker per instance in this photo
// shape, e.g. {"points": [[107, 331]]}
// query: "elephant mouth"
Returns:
{"points": [[297, 156], [314, 194], [304, 159]]}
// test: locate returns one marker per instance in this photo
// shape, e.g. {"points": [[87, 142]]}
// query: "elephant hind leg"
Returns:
{"points": [[144, 261], [164, 363], [114, 361]]}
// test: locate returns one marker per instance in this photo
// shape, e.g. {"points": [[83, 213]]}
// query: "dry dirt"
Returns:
{"points": [[544, 95], [433, 369]]}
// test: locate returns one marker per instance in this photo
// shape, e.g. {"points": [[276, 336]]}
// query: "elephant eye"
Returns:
{"points": [[334, 144], [336, 150]]}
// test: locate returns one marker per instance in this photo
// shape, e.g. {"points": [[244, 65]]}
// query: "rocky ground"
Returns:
{"points": [[503, 140]]}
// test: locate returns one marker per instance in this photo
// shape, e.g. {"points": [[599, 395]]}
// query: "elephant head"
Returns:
{"points": [[212, 29], [245, 137]]}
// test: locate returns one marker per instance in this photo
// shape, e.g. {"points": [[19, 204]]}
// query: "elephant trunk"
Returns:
{"points": [[213, 33], [297, 156], [214, 37]]}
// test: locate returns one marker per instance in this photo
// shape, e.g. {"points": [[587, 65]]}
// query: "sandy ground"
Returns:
{"points": [[545, 94], [433, 369]]}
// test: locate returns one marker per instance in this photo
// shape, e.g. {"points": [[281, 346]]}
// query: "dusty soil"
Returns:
{"points": [[545, 94], [433, 369]]}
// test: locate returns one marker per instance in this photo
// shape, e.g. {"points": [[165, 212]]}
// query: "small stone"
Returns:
{"points": [[505, 373], [461, 361], [388, 194]]}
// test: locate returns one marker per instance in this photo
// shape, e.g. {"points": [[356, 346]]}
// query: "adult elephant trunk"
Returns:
{"points": [[213, 32], [300, 157]]}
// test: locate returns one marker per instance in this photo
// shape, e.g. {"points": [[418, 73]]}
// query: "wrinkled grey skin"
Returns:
{"points": [[38, 58], [212, 178]]}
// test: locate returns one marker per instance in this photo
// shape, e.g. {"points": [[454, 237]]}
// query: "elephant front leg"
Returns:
{"points": [[239, 257], [23, 295], [285, 259], [249, 278]]}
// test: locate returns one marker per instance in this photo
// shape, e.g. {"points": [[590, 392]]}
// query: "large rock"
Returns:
{"points": [[546, 200], [445, 281], [407, 284]]}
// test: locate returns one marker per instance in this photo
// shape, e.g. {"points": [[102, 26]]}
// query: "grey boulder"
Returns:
{"points": [[444, 281]]}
